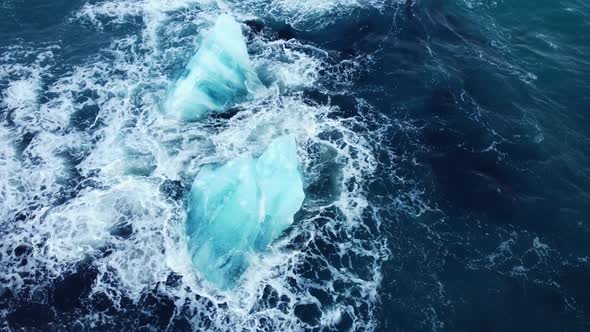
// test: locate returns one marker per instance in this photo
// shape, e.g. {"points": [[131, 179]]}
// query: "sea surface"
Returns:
{"points": [[444, 145]]}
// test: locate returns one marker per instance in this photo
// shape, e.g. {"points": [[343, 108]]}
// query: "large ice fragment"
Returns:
{"points": [[217, 76], [240, 208]]}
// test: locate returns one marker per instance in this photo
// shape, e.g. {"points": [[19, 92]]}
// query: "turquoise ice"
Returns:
{"points": [[240, 208], [219, 74]]}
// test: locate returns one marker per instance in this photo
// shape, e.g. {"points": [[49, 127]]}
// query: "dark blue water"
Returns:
{"points": [[446, 164]]}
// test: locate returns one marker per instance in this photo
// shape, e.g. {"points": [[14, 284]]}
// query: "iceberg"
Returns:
{"points": [[219, 74], [240, 208]]}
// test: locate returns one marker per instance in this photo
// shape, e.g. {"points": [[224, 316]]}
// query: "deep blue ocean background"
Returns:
{"points": [[476, 114]]}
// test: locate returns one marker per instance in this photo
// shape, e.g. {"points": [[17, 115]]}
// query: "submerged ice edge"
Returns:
{"points": [[151, 250]]}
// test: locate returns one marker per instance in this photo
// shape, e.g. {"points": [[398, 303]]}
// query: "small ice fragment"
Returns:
{"points": [[219, 74]]}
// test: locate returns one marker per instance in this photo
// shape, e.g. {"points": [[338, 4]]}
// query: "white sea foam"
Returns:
{"points": [[22, 94], [307, 14], [290, 64], [11, 199]]}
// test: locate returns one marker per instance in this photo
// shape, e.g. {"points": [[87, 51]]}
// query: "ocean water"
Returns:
{"points": [[444, 147]]}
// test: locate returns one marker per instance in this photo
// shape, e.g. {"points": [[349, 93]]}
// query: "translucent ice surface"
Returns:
{"points": [[219, 75], [240, 208]]}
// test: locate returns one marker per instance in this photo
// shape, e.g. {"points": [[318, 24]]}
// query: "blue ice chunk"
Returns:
{"points": [[240, 208], [219, 74]]}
